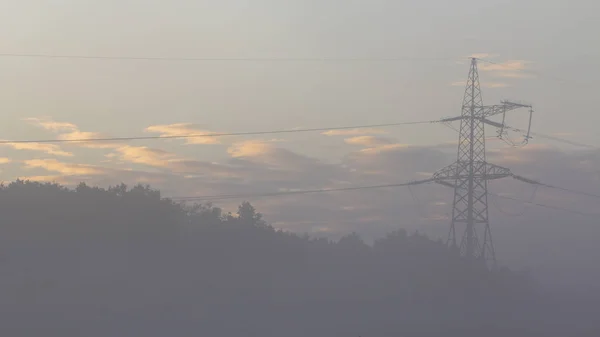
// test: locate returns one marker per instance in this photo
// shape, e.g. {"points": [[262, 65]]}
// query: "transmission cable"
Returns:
{"points": [[274, 194], [233, 59], [411, 183], [519, 214], [595, 216], [210, 135], [535, 182]]}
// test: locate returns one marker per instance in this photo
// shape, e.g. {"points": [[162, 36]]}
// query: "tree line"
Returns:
{"points": [[127, 262]]}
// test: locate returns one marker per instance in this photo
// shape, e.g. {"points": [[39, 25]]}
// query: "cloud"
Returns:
{"points": [[373, 145], [514, 75], [384, 148], [510, 69], [51, 125], [196, 169], [70, 132], [482, 55], [495, 85], [354, 132], [368, 141], [73, 136], [51, 149], [515, 65], [262, 166], [4, 160], [250, 148], [58, 179], [54, 165], [145, 155], [183, 129]]}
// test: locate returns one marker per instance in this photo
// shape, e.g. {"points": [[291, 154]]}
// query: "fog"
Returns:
{"points": [[124, 262], [164, 228]]}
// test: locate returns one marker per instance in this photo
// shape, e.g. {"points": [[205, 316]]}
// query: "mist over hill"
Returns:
{"points": [[127, 262]]}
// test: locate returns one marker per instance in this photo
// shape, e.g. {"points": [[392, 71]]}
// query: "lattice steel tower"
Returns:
{"points": [[470, 173]]}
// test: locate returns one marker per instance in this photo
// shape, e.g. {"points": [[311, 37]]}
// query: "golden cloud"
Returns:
{"points": [[508, 69], [384, 148], [368, 141], [495, 85], [54, 165], [5, 160], [145, 155], [51, 149], [516, 65], [184, 129], [512, 75], [47, 179], [250, 148], [51, 125], [481, 55], [77, 135], [70, 132], [353, 132], [374, 145]]}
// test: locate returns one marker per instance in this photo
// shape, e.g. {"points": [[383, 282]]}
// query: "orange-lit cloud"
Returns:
{"points": [[145, 155], [368, 141], [384, 148], [373, 145], [74, 137], [5, 160], [508, 69], [58, 179], [250, 148], [184, 129], [481, 55], [51, 149], [70, 132], [51, 125], [54, 165], [515, 65], [353, 132]]}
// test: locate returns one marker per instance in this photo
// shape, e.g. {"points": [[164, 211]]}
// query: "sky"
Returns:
{"points": [[545, 52]]}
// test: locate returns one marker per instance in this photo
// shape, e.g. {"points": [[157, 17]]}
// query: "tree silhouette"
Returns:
{"points": [[127, 262]]}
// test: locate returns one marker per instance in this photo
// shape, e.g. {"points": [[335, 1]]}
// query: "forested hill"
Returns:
{"points": [[126, 262]]}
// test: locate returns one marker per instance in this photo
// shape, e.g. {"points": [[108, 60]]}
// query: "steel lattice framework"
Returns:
{"points": [[470, 173]]}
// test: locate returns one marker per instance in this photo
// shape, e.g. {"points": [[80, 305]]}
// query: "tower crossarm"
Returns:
{"points": [[492, 123], [505, 106], [451, 174], [483, 119], [490, 110]]}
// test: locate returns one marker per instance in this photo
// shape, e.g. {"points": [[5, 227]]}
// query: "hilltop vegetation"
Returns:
{"points": [[126, 262]]}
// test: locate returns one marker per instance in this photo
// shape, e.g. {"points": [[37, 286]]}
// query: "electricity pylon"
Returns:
{"points": [[471, 172]]}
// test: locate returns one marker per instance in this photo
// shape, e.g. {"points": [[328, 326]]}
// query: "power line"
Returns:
{"points": [[356, 188], [233, 59], [547, 206], [524, 208], [572, 191], [565, 141], [542, 135], [537, 183], [275, 194], [553, 138], [250, 133]]}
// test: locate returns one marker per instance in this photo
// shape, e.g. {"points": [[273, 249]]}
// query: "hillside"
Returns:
{"points": [[126, 262]]}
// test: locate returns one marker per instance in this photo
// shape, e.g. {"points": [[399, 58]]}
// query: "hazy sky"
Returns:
{"points": [[547, 53]]}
